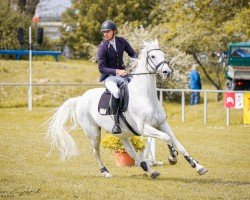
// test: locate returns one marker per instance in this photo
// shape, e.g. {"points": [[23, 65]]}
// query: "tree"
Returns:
{"points": [[21, 4], [186, 27], [27, 6], [31, 6], [10, 20], [203, 27], [86, 17], [178, 61]]}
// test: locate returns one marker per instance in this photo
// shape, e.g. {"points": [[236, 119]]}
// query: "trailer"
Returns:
{"points": [[238, 66]]}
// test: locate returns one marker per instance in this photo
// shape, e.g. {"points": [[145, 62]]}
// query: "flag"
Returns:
{"points": [[229, 100], [246, 112], [238, 101], [36, 19]]}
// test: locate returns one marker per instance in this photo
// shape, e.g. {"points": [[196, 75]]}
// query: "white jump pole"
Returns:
{"points": [[151, 150], [30, 72]]}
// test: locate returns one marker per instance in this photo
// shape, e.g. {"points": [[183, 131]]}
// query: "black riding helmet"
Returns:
{"points": [[108, 25]]}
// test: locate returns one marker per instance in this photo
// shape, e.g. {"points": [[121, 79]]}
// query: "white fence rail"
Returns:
{"points": [[205, 101], [160, 90]]}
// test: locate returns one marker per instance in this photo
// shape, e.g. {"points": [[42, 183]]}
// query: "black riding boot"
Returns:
{"points": [[115, 111]]}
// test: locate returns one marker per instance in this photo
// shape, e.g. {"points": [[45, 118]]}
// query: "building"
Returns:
{"points": [[49, 14], [51, 29]]}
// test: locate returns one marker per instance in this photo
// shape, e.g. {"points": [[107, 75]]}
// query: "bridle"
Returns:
{"points": [[154, 67]]}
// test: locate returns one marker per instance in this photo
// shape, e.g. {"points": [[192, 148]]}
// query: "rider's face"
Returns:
{"points": [[109, 34]]}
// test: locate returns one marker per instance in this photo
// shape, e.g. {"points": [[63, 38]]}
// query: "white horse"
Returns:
{"points": [[144, 113]]}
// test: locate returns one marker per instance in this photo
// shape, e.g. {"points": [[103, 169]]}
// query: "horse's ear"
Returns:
{"points": [[156, 42]]}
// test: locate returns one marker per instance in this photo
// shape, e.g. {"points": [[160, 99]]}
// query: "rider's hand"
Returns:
{"points": [[121, 72]]}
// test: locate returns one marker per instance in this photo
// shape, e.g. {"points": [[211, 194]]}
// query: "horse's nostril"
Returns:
{"points": [[167, 73]]}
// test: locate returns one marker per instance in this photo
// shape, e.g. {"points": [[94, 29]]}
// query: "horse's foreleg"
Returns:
{"points": [[173, 153], [166, 134], [149, 131], [131, 151], [166, 128]]}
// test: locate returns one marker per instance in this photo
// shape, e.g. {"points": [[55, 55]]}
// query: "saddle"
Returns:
{"points": [[104, 107], [105, 100]]}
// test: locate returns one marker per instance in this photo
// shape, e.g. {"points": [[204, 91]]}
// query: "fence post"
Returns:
{"points": [[183, 106], [228, 116], [205, 108], [30, 72], [161, 97]]}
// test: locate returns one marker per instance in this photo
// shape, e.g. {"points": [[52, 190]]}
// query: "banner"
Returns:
{"points": [[229, 100], [246, 112], [238, 101]]}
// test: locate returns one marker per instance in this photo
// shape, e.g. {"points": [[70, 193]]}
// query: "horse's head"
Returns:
{"points": [[156, 60]]}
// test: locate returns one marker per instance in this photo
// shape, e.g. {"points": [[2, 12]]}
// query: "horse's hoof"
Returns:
{"points": [[202, 171], [172, 161], [155, 174], [107, 175]]}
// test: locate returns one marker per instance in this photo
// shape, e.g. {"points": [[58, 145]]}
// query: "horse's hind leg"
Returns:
{"points": [[131, 151], [93, 133]]}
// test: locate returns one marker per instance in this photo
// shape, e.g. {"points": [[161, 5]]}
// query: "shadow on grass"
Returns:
{"points": [[191, 180], [145, 176], [20, 191]]}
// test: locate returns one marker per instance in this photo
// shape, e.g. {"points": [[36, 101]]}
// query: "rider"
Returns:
{"points": [[111, 65]]}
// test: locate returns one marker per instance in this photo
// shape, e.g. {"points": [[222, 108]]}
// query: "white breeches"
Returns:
{"points": [[112, 83]]}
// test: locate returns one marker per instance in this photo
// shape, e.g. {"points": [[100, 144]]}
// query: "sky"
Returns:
{"points": [[51, 10]]}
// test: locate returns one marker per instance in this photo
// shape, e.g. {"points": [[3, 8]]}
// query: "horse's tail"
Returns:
{"points": [[57, 132]]}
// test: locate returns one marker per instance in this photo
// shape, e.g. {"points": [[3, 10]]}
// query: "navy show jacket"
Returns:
{"points": [[109, 60]]}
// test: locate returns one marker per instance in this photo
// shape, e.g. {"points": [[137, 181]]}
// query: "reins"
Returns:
{"points": [[131, 74]]}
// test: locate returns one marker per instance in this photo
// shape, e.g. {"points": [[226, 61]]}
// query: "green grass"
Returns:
{"points": [[44, 72], [26, 172], [216, 113]]}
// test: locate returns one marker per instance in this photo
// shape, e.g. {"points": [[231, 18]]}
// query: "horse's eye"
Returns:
{"points": [[152, 56]]}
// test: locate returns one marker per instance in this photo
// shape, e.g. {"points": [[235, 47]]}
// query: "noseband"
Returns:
{"points": [[155, 67]]}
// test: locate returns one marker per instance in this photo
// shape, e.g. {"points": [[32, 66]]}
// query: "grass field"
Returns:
{"points": [[69, 71], [44, 72], [27, 173]]}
